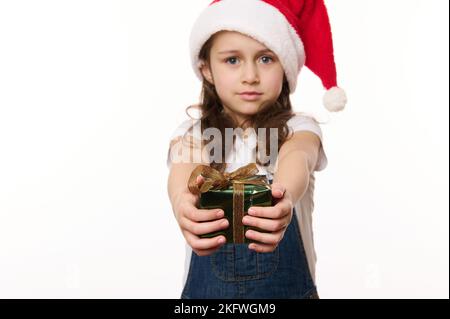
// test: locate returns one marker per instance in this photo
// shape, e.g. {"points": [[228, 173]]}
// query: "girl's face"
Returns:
{"points": [[249, 67]]}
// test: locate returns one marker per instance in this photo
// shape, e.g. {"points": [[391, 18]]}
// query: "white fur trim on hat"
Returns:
{"points": [[335, 99], [254, 18]]}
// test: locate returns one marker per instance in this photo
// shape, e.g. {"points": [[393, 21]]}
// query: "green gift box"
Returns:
{"points": [[234, 193]]}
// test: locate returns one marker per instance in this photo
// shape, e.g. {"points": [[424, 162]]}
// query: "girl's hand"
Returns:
{"points": [[194, 222], [274, 219]]}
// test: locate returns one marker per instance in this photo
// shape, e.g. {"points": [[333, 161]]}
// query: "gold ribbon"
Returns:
{"points": [[213, 179]]}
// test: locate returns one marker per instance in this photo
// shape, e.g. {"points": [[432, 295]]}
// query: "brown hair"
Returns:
{"points": [[273, 114]]}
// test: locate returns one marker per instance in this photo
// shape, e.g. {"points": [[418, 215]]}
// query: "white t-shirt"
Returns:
{"points": [[304, 207]]}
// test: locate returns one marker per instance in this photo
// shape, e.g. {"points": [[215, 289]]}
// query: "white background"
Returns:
{"points": [[90, 92]]}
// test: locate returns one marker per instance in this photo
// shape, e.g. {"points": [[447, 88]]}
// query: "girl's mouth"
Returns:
{"points": [[250, 96]]}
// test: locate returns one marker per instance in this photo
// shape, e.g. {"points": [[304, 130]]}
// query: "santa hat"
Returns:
{"points": [[297, 31]]}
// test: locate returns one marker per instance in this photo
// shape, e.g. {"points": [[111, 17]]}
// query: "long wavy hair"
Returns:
{"points": [[273, 114]]}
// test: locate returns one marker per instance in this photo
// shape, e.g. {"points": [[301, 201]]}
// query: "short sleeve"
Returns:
{"points": [[178, 133], [307, 123]]}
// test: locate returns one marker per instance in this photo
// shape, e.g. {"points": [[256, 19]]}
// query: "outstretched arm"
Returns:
{"points": [[296, 159]]}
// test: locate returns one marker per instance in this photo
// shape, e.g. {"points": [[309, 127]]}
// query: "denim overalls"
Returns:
{"points": [[236, 272]]}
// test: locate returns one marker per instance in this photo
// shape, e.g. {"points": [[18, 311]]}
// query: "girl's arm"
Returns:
{"points": [[193, 222], [177, 183], [296, 160]]}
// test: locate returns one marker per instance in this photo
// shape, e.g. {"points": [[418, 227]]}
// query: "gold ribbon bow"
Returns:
{"points": [[217, 180], [238, 178]]}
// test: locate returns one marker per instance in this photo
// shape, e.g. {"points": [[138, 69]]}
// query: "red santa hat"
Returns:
{"points": [[297, 31]]}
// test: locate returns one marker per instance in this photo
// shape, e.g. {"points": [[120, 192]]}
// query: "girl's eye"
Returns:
{"points": [[268, 57], [234, 58]]}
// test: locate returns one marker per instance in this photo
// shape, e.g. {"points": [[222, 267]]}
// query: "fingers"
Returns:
{"points": [[203, 227], [273, 219], [281, 209], [271, 225], [200, 180], [190, 211], [262, 248], [265, 242], [265, 238], [277, 190], [205, 252], [204, 246], [203, 215]]}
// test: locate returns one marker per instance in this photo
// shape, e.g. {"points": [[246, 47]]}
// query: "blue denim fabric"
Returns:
{"points": [[236, 272]]}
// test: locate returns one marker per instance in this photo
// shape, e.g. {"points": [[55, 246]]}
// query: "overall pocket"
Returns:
{"points": [[236, 262]]}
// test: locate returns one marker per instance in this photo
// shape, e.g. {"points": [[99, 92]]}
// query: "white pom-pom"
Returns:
{"points": [[335, 99]]}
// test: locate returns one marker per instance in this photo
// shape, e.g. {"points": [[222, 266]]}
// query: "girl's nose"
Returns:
{"points": [[250, 73]]}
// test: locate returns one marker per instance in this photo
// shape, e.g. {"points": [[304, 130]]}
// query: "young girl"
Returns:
{"points": [[248, 53]]}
